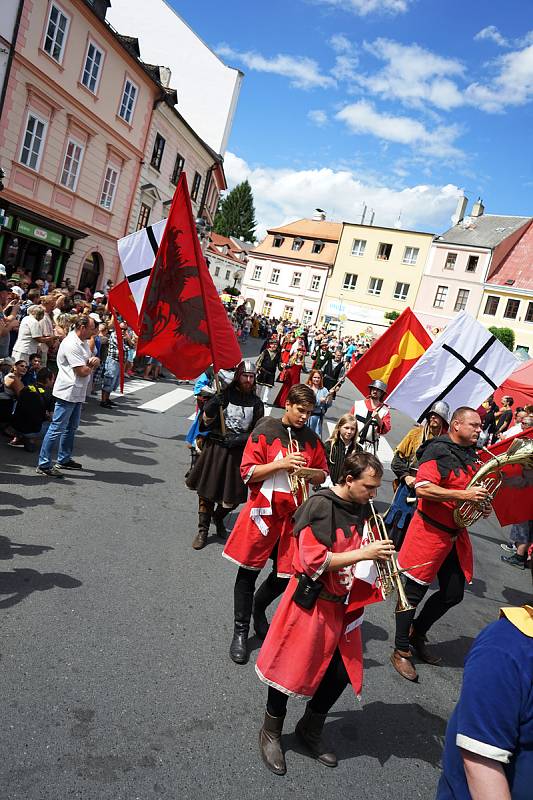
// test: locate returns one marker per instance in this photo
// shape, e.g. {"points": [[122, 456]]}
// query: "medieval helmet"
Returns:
{"points": [[246, 366], [442, 410], [378, 385]]}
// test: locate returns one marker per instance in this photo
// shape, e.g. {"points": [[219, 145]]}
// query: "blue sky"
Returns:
{"points": [[396, 103]]}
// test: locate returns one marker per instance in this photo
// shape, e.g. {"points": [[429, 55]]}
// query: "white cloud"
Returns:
{"points": [[282, 195], [364, 7], [318, 117], [492, 34], [512, 86], [345, 68], [303, 72], [361, 117], [340, 43]]}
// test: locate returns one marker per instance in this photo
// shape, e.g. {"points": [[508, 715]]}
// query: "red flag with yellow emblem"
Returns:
{"points": [[392, 355]]}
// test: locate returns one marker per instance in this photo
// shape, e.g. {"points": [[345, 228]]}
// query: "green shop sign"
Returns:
{"points": [[41, 234]]}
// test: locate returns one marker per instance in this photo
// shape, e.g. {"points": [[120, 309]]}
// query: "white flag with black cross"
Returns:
{"points": [[137, 254], [463, 366]]}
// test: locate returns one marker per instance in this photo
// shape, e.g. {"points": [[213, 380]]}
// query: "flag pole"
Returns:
{"points": [[221, 410]]}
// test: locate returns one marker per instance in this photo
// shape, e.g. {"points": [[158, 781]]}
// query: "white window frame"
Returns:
{"points": [[275, 278], [67, 171], [296, 280], [350, 281], [410, 255], [39, 120], [375, 285], [307, 316], [62, 12], [401, 293], [448, 258], [360, 249], [288, 311], [315, 283], [256, 275], [297, 244], [458, 305], [267, 308], [440, 302], [107, 198], [384, 257], [91, 42], [126, 119]]}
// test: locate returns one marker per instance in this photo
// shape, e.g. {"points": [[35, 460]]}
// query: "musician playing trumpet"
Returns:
{"points": [[281, 457], [445, 466]]}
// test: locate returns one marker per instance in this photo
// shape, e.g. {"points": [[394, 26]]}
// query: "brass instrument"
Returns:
{"points": [[388, 571], [297, 482], [490, 475]]}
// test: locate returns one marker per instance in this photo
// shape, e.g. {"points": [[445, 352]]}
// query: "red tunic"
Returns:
{"points": [[425, 542], [289, 377], [267, 516], [300, 643]]}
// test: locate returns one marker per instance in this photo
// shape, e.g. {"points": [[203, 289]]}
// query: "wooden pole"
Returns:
{"points": [[221, 410]]}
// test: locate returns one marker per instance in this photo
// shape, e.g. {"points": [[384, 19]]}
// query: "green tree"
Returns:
{"points": [[236, 214], [391, 315], [505, 335]]}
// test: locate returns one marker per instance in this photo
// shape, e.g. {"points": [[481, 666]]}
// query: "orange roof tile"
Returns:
{"points": [[517, 266]]}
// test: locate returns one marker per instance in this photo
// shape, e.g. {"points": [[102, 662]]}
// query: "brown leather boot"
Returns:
{"points": [[200, 540], [402, 663], [309, 731], [270, 744], [418, 643]]}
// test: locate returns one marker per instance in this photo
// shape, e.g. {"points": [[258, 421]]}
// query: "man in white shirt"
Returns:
{"points": [[47, 328], [75, 366]]}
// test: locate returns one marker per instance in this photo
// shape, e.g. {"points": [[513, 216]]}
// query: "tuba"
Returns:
{"points": [[490, 475], [388, 571], [297, 482]]}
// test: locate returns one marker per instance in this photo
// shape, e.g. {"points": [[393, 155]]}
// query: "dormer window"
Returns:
{"points": [[317, 248], [297, 244], [278, 241]]}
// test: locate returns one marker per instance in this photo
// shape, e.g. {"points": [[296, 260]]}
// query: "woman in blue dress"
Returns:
{"points": [[323, 399]]}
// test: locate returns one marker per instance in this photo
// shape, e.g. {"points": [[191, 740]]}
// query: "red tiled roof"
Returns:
{"points": [[517, 266]]}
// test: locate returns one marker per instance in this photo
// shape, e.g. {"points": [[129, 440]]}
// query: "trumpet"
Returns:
{"points": [[297, 482], [388, 571]]}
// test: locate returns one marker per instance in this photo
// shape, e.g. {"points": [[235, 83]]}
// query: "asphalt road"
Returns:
{"points": [[114, 634]]}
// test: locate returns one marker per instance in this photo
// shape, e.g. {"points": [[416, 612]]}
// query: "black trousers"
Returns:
{"points": [[451, 592], [243, 591], [331, 687]]}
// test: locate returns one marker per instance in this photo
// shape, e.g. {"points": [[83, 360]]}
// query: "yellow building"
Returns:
{"points": [[376, 270]]}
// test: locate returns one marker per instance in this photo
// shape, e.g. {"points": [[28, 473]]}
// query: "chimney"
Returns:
{"points": [[373, 214], [460, 210], [478, 208], [164, 76], [319, 215], [363, 215]]}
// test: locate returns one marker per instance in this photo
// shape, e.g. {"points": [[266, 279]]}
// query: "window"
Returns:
{"points": [[287, 312], [30, 155], [511, 309], [529, 313], [315, 283], [358, 247], [178, 169], [316, 249], [461, 300], [144, 216], [401, 291], [297, 244], [410, 255], [384, 251], [197, 180], [491, 306], [56, 33], [375, 285], [127, 104], [451, 258], [307, 316], [217, 271], [109, 187], [350, 281], [472, 263], [274, 278], [228, 273], [257, 273], [157, 152], [440, 297], [296, 279], [278, 241], [267, 308], [71, 165], [91, 71]]}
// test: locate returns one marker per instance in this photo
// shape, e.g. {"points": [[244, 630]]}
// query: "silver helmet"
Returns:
{"points": [[247, 366], [442, 410], [378, 385]]}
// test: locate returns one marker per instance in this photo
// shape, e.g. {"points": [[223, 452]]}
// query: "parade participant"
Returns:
{"points": [[446, 465], [286, 347], [503, 417], [333, 371], [404, 466], [313, 648], [289, 377], [488, 751], [323, 400], [203, 391], [264, 526], [216, 474], [341, 444], [373, 415], [322, 355], [267, 365]]}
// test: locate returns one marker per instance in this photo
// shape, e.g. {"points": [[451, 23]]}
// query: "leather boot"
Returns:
{"points": [[238, 650], [418, 643], [218, 518], [269, 590], [309, 731], [270, 744], [200, 540], [402, 663]]}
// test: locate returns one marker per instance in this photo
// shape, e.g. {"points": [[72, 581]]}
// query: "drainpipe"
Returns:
{"points": [[206, 187]]}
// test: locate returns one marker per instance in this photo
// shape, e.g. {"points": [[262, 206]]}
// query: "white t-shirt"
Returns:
{"points": [[47, 329], [73, 352], [29, 330]]}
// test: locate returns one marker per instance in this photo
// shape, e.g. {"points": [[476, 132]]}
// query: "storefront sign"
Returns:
{"points": [[41, 234], [279, 297]]}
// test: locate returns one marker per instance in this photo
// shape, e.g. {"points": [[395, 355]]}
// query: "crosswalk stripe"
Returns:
{"points": [[166, 401], [133, 386]]}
